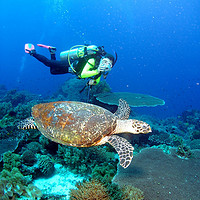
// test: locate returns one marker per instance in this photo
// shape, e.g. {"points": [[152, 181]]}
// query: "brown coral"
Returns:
{"points": [[89, 190], [132, 193]]}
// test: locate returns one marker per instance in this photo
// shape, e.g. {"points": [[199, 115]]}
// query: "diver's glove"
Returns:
{"points": [[105, 65], [91, 82]]}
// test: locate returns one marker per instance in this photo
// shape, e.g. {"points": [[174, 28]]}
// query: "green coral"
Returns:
{"points": [[11, 160], [104, 173], [176, 140], [13, 183], [83, 160], [5, 107], [8, 120], [132, 193], [195, 134]]}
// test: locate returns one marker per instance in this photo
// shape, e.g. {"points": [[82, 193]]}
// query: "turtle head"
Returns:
{"points": [[140, 127], [132, 126]]}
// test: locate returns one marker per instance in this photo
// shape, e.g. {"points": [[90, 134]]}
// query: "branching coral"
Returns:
{"points": [[89, 190]]}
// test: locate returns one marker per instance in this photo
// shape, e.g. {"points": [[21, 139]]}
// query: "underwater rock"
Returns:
{"points": [[195, 144], [28, 158], [8, 145], [35, 147], [46, 165], [162, 176], [195, 134]]}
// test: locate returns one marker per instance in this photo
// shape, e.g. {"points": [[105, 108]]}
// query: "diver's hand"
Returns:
{"points": [[92, 82], [102, 68]]}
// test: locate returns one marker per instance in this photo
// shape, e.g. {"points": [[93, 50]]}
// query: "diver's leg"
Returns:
{"points": [[42, 59], [53, 56], [52, 51]]}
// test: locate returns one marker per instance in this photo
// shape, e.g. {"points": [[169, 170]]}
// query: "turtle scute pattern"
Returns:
{"points": [[141, 127], [73, 123]]}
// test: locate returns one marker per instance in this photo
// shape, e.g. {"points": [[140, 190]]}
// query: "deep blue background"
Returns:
{"points": [[158, 45]]}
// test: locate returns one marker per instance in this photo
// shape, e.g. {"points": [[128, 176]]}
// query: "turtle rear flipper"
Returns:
{"points": [[123, 110], [123, 148], [27, 123]]}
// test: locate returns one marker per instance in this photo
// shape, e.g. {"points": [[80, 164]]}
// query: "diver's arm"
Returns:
{"points": [[97, 80], [87, 72]]}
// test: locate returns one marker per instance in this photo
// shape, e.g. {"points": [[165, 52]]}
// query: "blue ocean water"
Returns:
{"points": [[158, 45]]}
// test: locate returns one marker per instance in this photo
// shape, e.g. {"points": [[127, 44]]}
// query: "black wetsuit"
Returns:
{"points": [[56, 66]]}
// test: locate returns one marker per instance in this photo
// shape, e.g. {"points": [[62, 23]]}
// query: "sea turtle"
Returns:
{"points": [[84, 125]]}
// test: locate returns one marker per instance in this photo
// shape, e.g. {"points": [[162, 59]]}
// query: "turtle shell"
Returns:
{"points": [[73, 123]]}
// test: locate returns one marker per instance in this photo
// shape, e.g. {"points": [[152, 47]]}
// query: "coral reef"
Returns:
{"points": [[72, 87], [8, 145], [11, 160], [89, 190], [83, 160], [27, 155], [133, 99], [195, 144], [35, 147], [13, 183], [28, 158], [183, 151], [95, 189], [46, 165], [131, 193]]}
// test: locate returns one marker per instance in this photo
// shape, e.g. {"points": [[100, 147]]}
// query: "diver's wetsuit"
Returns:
{"points": [[56, 66]]}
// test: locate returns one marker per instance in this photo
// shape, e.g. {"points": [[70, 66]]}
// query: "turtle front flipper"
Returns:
{"points": [[123, 110], [27, 123], [123, 148]]}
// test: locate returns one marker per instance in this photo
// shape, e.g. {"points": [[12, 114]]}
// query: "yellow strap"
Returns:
{"points": [[88, 70], [80, 54]]}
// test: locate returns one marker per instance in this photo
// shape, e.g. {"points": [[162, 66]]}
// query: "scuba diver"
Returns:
{"points": [[82, 60]]}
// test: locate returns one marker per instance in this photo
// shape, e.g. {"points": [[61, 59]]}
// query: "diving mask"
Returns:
{"points": [[105, 65]]}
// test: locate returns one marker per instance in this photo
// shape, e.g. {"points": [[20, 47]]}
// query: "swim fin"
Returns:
{"points": [[46, 46], [29, 47]]}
